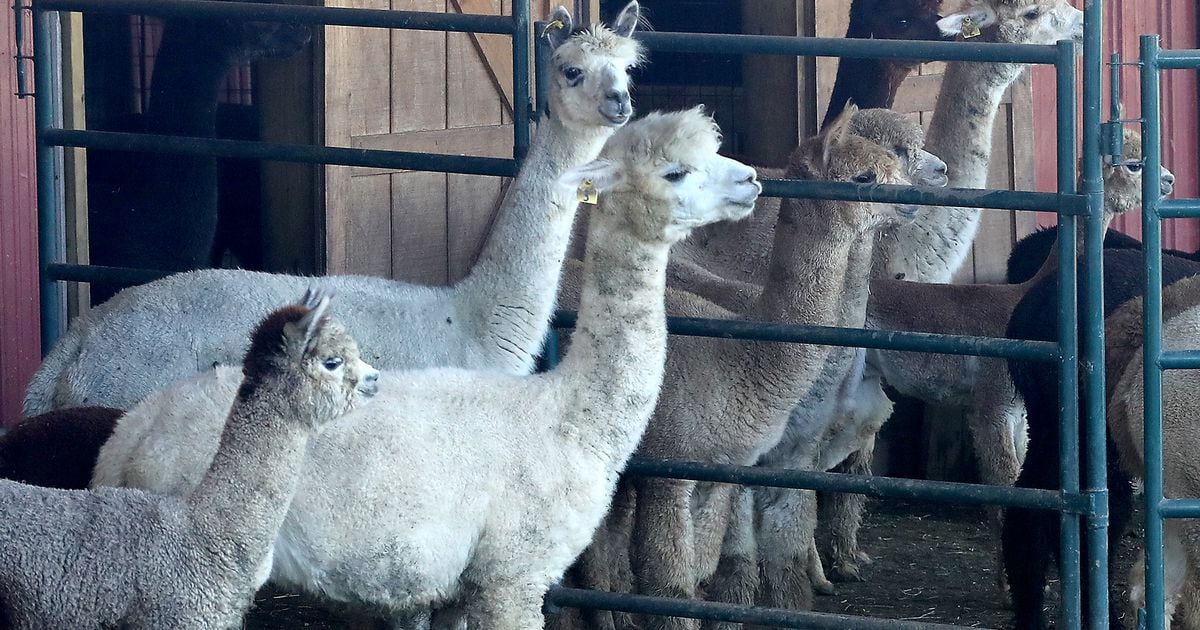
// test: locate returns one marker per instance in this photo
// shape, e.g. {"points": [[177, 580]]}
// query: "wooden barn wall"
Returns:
{"points": [[1175, 20], [1012, 144], [19, 336]]}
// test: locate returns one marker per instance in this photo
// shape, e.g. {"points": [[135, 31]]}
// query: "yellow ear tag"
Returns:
{"points": [[587, 193], [552, 26], [969, 28]]}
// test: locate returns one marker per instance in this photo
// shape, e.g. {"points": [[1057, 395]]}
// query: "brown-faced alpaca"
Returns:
{"points": [[160, 211], [872, 83], [133, 559], [960, 132], [726, 402]]}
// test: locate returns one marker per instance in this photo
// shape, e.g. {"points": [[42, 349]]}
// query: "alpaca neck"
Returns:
{"points": [[868, 82], [188, 72], [510, 292], [242, 500], [960, 132], [615, 361], [1050, 266]]}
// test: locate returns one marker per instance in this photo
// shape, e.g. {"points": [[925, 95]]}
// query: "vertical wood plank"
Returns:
{"points": [[418, 73], [418, 202], [75, 160], [772, 131], [369, 249]]}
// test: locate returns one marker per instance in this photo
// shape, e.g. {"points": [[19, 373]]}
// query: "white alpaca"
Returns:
{"points": [[479, 487], [116, 557], [496, 318]]}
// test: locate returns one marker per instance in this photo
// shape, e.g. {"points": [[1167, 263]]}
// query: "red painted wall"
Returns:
{"points": [[19, 337], [1175, 20]]}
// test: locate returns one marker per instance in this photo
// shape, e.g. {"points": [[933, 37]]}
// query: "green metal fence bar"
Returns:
{"points": [[881, 487], [1179, 508], [521, 25], [51, 234], [853, 337], [302, 153], [1019, 200], [1152, 484], [558, 596], [1091, 304], [1177, 59], [294, 14], [1179, 360], [1179, 209]]}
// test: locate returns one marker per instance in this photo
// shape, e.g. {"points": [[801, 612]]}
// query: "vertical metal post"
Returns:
{"points": [[1068, 339], [1095, 421], [1152, 319], [19, 40], [50, 228], [522, 105], [541, 66], [1115, 148]]}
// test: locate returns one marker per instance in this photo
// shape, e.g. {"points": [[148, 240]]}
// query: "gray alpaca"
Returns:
{"points": [[117, 557]]}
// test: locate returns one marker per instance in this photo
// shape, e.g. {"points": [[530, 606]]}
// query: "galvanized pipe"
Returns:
{"points": [[1152, 483], [562, 597], [850, 337], [884, 487], [292, 14], [1068, 339]]}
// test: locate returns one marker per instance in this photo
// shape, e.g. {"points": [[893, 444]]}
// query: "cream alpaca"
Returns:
{"points": [[496, 318], [464, 503]]}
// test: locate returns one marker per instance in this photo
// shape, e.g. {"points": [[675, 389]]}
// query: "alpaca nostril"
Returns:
{"points": [[371, 377], [750, 179]]}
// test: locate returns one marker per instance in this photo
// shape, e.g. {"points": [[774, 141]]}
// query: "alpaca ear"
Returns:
{"points": [[627, 20], [558, 31], [603, 175], [981, 15], [835, 133], [307, 327]]}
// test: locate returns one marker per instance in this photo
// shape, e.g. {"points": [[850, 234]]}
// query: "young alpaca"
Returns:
{"points": [[678, 526], [56, 449], [1123, 363], [466, 505], [871, 83], [131, 558], [496, 318]]}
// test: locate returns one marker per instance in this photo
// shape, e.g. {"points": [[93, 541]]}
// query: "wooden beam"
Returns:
{"points": [[495, 50]]}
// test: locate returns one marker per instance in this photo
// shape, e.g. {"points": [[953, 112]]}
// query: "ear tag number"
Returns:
{"points": [[969, 28], [552, 26], [587, 193]]}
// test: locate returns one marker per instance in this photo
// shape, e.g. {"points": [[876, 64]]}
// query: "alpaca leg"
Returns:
{"points": [[449, 617], [735, 580], [513, 605], [844, 516], [816, 571], [993, 423], [785, 534], [604, 566], [710, 520], [1029, 541], [663, 549]]}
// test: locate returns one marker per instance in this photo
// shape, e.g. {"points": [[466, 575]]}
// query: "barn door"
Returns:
{"points": [[1012, 145], [414, 91]]}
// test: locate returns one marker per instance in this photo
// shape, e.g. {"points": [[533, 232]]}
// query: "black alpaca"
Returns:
{"points": [[57, 449], [1030, 537], [159, 211], [1029, 253]]}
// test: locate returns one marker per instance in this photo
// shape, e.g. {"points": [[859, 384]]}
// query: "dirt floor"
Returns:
{"points": [[932, 563]]}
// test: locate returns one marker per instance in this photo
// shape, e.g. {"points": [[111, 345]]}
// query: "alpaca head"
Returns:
{"points": [[1123, 182], [904, 137], [1017, 21], [590, 76], [839, 156], [663, 175], [300, 354], [892, 19]]}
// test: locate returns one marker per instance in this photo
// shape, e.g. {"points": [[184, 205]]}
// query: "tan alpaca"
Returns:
{"points": [[725, 401], [116, 557], [1181, 437]]}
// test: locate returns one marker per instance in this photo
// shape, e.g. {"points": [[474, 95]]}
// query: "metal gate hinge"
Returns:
{"points": [[1112, 142], [1096, 502]]}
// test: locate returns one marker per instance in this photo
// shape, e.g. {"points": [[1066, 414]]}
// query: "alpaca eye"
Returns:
{"points": [[572, 74], [675, 176], [332, 363], [1133, 168], [1033, 14], [865, 177], [900, 151]]}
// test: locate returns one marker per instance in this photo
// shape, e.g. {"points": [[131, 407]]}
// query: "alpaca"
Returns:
{"points": [[434, 533], [159, 211], [819, 247], [496, 318], [1030, 537], [933, 247], [56, 449], [1123, 363], [132, 558], [871, 83]]}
